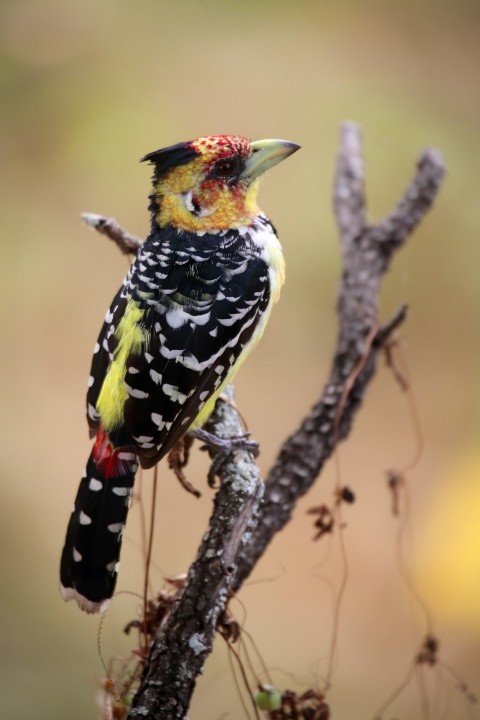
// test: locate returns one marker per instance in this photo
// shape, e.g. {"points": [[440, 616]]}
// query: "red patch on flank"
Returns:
{"points": [[106, 457]]}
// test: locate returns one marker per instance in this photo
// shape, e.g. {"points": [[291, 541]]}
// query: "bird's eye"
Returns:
{"points": [[226, 168]]}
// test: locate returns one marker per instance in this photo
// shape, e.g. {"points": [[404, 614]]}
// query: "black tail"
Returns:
{"points": [[90, 557]]}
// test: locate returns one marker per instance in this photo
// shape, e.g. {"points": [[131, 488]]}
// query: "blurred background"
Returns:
{"points": [[87, 88]]}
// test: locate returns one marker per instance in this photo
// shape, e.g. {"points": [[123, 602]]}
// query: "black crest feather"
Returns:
{"points": [[167, 158]]}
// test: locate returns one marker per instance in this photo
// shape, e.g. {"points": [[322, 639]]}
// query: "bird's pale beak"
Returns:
{"points": [[266, 154]]}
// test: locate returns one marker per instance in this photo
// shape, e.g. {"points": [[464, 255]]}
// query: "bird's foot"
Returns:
{"points": [[223, 448]]}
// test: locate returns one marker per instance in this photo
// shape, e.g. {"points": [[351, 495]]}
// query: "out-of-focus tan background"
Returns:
{"points": [[86, 89]]}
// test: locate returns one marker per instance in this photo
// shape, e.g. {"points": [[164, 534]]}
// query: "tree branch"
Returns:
{"points": [[126, 243], [178, 653], [367, 250], [242, 524]]}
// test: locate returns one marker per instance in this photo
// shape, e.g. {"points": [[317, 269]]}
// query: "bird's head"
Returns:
{"points": [[211, 183]]}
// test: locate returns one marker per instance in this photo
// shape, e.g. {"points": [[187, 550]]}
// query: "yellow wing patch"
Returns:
{"points": [[113, 394]]}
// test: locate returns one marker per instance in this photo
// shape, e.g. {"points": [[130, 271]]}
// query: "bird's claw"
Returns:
{"points": [[223, 448]]}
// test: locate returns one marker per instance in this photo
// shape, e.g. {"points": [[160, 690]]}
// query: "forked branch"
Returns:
{"points": [[367, 251]]}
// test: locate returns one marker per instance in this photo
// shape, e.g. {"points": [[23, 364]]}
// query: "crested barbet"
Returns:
{"points": [[193, 304]]}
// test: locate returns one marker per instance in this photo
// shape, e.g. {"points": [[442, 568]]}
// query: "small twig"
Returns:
{"points": [[127, 244], [149, 552], [178, 459], [386, 331]]}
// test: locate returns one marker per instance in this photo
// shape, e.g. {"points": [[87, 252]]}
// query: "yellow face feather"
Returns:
{"points": [[223, 205], [226, 209]]}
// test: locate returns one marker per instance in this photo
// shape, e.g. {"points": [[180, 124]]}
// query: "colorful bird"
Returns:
{"points": [[193, 304]]}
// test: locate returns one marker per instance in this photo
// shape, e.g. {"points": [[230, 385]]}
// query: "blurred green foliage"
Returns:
{"points": [[87, 88]]}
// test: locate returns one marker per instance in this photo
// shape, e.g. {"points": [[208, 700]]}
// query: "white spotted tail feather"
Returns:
{"points": [[90, 557]]}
